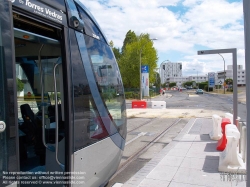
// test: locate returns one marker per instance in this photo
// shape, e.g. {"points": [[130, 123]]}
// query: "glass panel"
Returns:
{"points": [[89, 26], [109, 80], [88, 126]]}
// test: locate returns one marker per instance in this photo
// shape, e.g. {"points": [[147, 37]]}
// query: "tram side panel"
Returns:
{"points": [[96, 152]]}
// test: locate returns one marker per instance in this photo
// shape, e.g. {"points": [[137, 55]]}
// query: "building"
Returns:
{"points": [[177, 80], [180, 80], [241, 77], [172, 72], [198, 78], [170, 69]]}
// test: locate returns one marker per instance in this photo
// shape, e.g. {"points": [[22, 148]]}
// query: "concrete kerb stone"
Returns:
{"points": [[172, 113]]}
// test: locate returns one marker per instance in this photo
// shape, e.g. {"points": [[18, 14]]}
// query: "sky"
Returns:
{"points": [[182, 27]]}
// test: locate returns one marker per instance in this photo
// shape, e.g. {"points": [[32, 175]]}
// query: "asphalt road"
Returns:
{"points": [[187, 99]]}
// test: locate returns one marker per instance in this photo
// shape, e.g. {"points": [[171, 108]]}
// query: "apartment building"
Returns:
{"points": [[170, 69]]}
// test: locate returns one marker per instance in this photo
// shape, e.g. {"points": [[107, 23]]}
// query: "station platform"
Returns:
{"points": [[190, 160]]}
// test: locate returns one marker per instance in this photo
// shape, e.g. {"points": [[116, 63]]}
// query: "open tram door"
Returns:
{"points": [[33, 100]]}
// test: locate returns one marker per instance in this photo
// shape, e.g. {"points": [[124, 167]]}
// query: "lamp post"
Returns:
{"points": [[207, 82], [224, 72], [140, 66]]}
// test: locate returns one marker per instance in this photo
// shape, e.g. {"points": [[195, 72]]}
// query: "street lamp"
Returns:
{"points": [[140, 66], [224, 72], [233, 51]]}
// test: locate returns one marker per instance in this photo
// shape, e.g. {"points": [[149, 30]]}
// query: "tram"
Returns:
{"points": [[62, 105]]}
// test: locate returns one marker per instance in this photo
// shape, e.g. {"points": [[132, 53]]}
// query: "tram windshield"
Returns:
{"points": [[108, 78]]}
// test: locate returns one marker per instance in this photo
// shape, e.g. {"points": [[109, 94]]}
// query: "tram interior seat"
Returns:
{"points": [[52, 113], [50, 133], [33, 129]]}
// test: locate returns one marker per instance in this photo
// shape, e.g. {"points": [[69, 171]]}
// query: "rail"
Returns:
{"points": [[144, 148]]}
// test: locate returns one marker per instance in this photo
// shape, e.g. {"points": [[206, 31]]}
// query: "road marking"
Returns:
{"points": [[193, 95], [138, 136], [117, 185]]}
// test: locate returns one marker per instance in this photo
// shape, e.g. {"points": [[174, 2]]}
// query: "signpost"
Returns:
{"points": [[145, 80], [211, 79], [233, 51]]}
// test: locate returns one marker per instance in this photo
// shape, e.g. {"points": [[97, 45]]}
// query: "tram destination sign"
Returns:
{"points": [[42, 10]]}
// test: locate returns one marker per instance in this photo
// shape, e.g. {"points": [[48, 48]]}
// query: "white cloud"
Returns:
{"points": [[213, 24]]}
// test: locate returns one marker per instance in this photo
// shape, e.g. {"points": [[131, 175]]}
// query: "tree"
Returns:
{"points": [[157, 81], [130, 59], [129, 66], [116, 51], [129, 38], [188, 83], [164, 85], [229, 82], [172, 84], [19, 85]]}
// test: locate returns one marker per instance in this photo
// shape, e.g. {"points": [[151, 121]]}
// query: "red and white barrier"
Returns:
{"points": [[158, 104], [230, 159], [139, 104], [216, 134]]}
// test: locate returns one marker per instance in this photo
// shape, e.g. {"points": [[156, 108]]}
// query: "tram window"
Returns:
{"points": [[89, 25], [88, 126], [108, 79]]}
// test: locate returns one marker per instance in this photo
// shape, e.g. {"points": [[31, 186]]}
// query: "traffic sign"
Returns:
{"points": [[145, 69], [211, 79]]}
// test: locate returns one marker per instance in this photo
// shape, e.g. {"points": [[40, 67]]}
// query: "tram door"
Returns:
{"points": [[37, 123], [40, 95], [32, 107]]}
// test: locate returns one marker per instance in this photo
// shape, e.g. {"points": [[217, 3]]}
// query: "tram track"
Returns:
{"points": [[140, 151], [145, 123]]}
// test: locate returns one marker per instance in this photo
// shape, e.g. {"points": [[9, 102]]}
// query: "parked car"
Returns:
{"points": [[199, 91]]}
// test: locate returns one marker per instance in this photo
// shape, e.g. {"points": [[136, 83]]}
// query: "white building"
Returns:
{"points": [[241, 77], [198, 78], [180, 80], [177, 80], [170, 69]]}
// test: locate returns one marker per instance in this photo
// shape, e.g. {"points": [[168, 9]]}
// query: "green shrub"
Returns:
{"points": [[19, 84], [206, 88]]}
